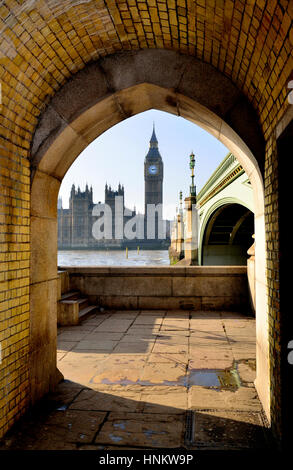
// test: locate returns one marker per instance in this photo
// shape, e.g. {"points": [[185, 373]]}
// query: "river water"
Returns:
{"points": [[113, 258]]}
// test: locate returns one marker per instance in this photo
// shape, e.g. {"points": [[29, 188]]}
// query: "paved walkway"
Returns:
{"points": [[151, 379]]}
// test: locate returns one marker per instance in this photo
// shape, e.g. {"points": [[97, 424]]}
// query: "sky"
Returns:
{"points": [[118, 156]]}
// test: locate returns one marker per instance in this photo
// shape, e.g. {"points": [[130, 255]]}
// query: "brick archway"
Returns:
{"points": [[97, 98]]}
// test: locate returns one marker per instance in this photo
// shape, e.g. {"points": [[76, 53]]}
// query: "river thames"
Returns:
{"points": [[113, 258]]}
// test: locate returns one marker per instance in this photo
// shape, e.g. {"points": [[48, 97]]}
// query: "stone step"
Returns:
{"points": [[80, 302], [70, 295], [69, 310], [87, 311]]}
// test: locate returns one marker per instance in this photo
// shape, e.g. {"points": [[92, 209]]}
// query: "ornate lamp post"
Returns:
{"points": [[191, 234], [180, 230], [191, 166]]}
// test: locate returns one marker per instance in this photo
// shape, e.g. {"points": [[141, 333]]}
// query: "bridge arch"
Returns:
{"points": [[99, 97], [211, 244], [212, 210]]}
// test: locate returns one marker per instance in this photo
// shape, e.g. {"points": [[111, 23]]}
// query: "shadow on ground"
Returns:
{"points": [[75, 418], [150, 380]]}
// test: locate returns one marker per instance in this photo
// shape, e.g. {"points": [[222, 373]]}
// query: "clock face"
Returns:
{"points": [[153, 169]]}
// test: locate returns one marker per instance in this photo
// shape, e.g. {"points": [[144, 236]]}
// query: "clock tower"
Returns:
{"points": [[153, 175]]}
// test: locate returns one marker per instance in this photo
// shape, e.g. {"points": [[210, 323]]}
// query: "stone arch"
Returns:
{"points": [[220, 203], [211, 217], [98, 97]]}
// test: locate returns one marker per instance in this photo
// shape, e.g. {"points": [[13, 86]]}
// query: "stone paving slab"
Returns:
{"points": [[61, 355], [202, 315], [171, 339], [81, 328], [147, 320], [170, 327], [72, 336], [112, 325], [100, 401], [82, 376], [125, 359], [177, 322], [89, 357], [164, 399], [165, 358], [144, 338], [139, 330], [74, 425], [243, 354], [121, 375], [141, 429], [134, 348], [65, 345], [160, 347], [173, 332], [204, 362], [123, 314], [156, 374], [134, 377], [228, 430], [205, 342], [96, 344], [95, 320], [153, 313], [102, 335], [204, 351], [177, 314], [243, 399]]}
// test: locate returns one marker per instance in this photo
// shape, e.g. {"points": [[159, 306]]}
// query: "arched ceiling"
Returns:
{"points": [[43, 43]]}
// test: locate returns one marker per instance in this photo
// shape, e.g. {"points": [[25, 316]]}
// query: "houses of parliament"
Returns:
{"points": [[76, 224]]}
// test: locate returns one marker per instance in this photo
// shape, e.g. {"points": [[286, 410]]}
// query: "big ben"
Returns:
{"points": [[153, 177]]}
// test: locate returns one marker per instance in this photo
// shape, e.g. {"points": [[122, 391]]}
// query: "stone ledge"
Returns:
{"points": [[173, 271], [161, 287]]}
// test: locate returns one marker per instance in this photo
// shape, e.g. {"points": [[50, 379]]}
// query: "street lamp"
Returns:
{"points": [[191, 166]]}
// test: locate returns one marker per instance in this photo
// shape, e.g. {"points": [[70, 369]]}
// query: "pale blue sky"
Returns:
{"points": [[118, 156]]}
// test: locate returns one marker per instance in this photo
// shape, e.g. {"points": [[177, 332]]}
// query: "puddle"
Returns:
{"points": [[149, 433], [119, 382], [213, 378], [62, 408], [219, 379], [119, 425], [115, 438]]}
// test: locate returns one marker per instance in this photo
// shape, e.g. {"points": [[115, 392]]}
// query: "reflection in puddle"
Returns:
{"points": [[115, 438], [219, 379], [213, 378], [119, 425]]}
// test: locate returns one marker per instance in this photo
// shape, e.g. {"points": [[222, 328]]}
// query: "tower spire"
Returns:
{"points": [[154, 140]]}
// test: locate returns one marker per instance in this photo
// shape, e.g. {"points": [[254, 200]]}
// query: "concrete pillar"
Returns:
{"points": [[191, 232]]}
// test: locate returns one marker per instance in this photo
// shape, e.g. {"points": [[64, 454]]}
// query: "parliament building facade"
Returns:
{"points": [[75, 225]]}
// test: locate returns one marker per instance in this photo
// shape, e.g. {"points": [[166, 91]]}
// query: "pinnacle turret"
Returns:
{"points": [[153, 150], [154, 140]]}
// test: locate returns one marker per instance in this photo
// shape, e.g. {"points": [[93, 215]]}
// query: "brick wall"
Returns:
{"points": [[14, 282], [43, 44]]}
